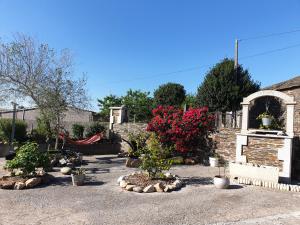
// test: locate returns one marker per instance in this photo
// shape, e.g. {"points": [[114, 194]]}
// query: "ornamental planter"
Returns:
{"points": [[213, 162], [266, 121], [221, 182], [78, 180]]}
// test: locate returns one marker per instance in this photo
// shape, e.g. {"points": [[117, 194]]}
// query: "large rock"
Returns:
{"points": [[149, 189], [32, 182], [190, 161], [159, 187], [66, 170], [132, 162], [19, 186], [138, 189], [120, 179], [123, 184], [129, 187], [7, 184]]}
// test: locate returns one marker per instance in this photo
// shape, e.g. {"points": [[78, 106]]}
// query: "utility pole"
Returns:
{"points": [[12, 137], [236, 64]]}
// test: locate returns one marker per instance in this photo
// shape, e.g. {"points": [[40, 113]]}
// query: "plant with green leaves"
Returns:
{"points": [[95, 128], [6, 127], [155, 158], [137, 141], [28, 159], [169, 94], [78, 131]]}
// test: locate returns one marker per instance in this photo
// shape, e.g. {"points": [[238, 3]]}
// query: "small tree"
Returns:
{"points": [[6, 127], [139, 105], [170, 94], [224, 87], [78, 131], [94, 128]]}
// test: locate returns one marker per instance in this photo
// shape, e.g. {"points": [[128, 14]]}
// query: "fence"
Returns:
{"points": [[228, 120]]}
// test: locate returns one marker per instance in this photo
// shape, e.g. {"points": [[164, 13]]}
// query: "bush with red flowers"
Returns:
{"points": [[183, 130]]}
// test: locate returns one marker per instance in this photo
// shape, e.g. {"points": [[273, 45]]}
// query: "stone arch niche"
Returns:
{"points": [[270, 150]]}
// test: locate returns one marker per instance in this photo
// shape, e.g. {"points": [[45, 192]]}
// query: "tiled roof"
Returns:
{"points": [[289, 84]]}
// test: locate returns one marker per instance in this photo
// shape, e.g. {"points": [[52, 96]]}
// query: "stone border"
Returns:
{"points": [[268, 184], [158, 187]]}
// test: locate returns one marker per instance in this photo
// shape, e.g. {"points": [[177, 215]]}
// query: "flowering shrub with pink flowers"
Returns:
{"points": [[182, 130]]}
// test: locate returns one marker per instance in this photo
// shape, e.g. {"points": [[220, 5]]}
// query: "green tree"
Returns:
{"points": [[105, 103], [139, 105], [224, 87], [190, 100], [170, 94]]}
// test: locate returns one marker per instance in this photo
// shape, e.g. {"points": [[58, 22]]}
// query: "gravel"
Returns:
{"points": [[102, 201]]}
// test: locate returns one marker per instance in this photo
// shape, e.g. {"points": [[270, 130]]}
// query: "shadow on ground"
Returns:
{"points": [[195, 181]]}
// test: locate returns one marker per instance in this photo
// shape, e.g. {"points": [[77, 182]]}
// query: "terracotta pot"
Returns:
{"points": [[221, 182], [213, 162], [78, 180]]}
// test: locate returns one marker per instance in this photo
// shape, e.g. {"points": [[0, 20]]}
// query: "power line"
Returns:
{"points": [[162, 74], [270, 51], [270, 35]]}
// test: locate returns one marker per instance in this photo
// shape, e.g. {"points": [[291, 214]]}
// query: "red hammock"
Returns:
{"points": [[87, 141]]}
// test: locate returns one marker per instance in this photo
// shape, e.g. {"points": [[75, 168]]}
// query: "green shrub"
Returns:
{"points": [[137, 141], [155, 157], [28, 158], [95, 128], [77, 130], [6, 128]]}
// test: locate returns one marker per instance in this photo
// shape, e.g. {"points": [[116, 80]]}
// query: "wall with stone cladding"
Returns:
{"points": [[122, 130], [224, 143], [263, 151]]}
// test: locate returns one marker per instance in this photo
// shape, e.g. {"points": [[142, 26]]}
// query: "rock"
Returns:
{"points": [[62, 162], [149, 189], [132, 162], [168, 175], [32, 182], [120, 179], [8, 184], [129, 187], [53, 162], [138, 189], [177, 184], [18, 172], [19, 186], [189, 161], [159, 187], [66, 170], [123, 184]]}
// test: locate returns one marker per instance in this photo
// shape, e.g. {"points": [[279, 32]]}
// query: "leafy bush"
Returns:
{"points": [[155, 157], [95, 128], [28, 158], [137, 141], [184, 130], [6, 128], [78, 131]]}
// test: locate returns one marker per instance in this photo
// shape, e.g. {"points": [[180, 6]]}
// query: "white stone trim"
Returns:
{"points": [[285, 154], [289, 100], [240, 141]]}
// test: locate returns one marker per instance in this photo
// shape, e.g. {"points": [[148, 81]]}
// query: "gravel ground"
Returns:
{"points": [[101, 201]]}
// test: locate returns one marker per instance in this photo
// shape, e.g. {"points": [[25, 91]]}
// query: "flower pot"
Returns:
{"points": [[266, 121], [78, 180], [221, 182], [213, 162]]}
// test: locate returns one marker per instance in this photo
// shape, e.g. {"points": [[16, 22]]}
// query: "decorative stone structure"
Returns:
{"points": [[267, 147], [117, 115]]}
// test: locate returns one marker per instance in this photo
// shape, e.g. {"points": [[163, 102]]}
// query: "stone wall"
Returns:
{"points": [[263, 151], [224, 143], [122, 130]]}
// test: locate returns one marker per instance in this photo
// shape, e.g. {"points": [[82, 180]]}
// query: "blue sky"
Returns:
{"points": [[117, 42]]}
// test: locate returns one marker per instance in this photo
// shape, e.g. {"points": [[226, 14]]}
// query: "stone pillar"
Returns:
{"points": [[245, 118], [290, 119]]}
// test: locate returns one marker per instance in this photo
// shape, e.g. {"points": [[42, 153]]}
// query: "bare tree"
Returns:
{"points": [[32, 70]]}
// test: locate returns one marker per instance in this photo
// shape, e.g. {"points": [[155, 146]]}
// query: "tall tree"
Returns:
{"points": [[34, 71], [224, 87], [170, 94], [139, 105], [105, 103]]}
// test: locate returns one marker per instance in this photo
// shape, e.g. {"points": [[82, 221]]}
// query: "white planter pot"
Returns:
{"points": [[221, 182], [266, 121], [213, 162], [78, 180]]}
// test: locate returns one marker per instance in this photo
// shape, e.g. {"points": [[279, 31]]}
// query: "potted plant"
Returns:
{"points": [[266, 119], [78, 176], [214, 160], [221, 182]]}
